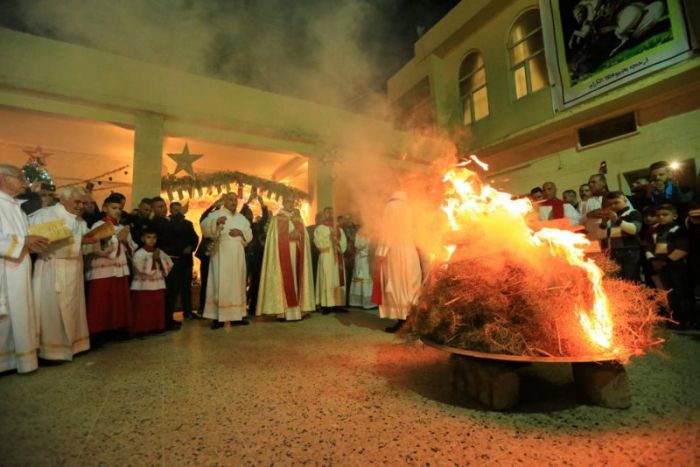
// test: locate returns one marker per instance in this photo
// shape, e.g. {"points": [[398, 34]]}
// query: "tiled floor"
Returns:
{"points": [[331, 390]]}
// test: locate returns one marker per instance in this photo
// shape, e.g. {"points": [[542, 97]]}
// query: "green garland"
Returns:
{"points": [[170, 183]]}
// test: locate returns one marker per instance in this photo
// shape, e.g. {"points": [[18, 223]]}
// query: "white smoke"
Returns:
{"points": [[313, 49]]}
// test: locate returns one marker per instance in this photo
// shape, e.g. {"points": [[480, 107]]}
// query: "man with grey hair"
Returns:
{"points": [[59, 295], [18, 326]]}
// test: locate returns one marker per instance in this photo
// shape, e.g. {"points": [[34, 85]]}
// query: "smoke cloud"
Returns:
{"points": [[323, 51], [336, 53]]}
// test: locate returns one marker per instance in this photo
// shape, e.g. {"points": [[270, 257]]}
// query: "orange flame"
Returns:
{"points": [[467, 200]]}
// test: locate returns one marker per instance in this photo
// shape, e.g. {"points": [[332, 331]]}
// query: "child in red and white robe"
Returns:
{"points": [[107, 274], [151, 266]]}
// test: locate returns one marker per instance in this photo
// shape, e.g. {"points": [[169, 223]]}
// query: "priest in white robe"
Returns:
{"points": [[330, 278], [226, 286], [361, 286], [398, 263], [59, 292], [286, 282], [18, 325]]}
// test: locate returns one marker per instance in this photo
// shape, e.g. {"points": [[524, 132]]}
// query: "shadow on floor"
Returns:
{"points": [[427, 372], [368, 319]]}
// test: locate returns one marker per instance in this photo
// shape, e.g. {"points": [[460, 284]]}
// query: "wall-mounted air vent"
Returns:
{"points": [[607, 130]]}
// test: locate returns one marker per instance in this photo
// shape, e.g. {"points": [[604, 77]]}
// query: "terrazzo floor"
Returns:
{"points": [[330, 390]]}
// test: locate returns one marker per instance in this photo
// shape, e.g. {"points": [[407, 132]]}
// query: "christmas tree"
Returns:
{"points": [[35, 171]]}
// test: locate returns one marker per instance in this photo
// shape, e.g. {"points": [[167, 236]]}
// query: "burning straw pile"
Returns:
{"points": [[504, 288], [518, 312]]}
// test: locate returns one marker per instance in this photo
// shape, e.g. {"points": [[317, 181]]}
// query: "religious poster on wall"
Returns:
{"points": [[593, 46]]}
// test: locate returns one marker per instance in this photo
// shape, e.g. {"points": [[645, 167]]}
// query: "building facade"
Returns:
{"points": [[480, 77], [80, 99]]}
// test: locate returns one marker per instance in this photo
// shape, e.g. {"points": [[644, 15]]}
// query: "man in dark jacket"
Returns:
{"points": [[255, 250], [665, 190], [202, 254], [166, 242], [311, 229], [140, 220], [179, 280]]}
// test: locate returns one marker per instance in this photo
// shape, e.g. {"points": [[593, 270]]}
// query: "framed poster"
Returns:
{"points": [[593, 46]]}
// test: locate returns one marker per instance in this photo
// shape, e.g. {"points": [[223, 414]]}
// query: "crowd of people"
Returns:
{"points": [[109, 274], [653, 234], [112, 274]]}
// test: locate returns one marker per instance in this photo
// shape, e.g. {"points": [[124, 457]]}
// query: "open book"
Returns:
{"points": [[54, 230]]}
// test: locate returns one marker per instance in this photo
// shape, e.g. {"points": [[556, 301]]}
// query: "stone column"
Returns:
{"points": [[320, 184], [148, 157], [321, 180]]}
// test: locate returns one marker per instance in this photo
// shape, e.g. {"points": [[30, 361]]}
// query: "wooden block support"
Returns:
{"points": [[492, 383], [605, 383]]}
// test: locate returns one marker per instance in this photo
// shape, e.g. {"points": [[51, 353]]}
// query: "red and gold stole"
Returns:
{"points": [[288, 283]]}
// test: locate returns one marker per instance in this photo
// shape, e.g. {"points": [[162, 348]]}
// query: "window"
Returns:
{"points": [[472, 89], [526, 50]]}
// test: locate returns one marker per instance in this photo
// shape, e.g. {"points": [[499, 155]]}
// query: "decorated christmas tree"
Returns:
{"points": [[35, 171]]}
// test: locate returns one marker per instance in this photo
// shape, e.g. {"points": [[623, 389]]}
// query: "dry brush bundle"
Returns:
{"points": [[502, 304]]}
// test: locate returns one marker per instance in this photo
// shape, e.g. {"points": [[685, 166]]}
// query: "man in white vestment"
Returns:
{"points": [[18, 324], [59, 293], [398, 262], [330, 278], [226, 286], [286, 281]]}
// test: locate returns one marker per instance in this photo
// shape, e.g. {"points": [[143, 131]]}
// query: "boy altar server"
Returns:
{"points": [[109, 303], [151, 267]]}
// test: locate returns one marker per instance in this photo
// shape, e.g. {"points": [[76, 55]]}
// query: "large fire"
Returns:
{"points": [[471, 205]]}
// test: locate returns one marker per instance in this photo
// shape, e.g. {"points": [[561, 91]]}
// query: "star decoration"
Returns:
{"points": [[184, 160], [37, 155]]}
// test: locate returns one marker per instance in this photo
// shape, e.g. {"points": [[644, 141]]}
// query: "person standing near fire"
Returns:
{"points": [[623, 225], [286, 282], [592, 208], [330, 278], [255, 250], [107, 272], [226, 286], [398, 276], [59, 292], [179, 279], [554, 208], [668, 255], [18, 332]]}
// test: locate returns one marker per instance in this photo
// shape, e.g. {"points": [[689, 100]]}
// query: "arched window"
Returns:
{"points": [[526, 50], [472, 89]]}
